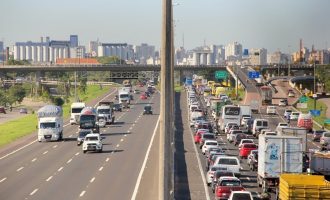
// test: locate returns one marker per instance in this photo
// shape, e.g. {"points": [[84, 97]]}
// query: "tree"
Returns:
{"points": [[110, 60], [3, 98], [83, 85], [58, 101], [17, 93]]}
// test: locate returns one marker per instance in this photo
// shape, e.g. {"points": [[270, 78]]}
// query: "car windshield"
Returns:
{"points": [[227, 161], [123, 96], [212, 143], [76, 110], [208, 136], [83, 133], [250, 146], [147, 108], [326, 134], [94, 138], [230, 183], [103, 111]]}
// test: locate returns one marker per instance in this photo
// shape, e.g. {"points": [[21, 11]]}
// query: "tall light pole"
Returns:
{"points": [[166, 99], [314, 93]]}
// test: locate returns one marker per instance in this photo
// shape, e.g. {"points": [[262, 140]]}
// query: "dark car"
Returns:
{"points": [[81, 135], [2, 110], [317, 135], [147, 110], [117, 107]]}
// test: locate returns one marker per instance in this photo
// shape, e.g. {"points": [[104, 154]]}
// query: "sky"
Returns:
{"points": [[271, 24]]}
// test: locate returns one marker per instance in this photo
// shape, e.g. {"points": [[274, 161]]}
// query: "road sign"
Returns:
{"points": [[315, 112], [303, 99], [301, 105], [254, 74], [221, 74], [327, 121]]}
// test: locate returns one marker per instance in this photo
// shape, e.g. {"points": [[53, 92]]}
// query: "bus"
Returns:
{"points": [[229, 114]]}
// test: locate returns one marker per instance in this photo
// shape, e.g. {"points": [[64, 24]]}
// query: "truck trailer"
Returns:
{"points": [[277, 155]]}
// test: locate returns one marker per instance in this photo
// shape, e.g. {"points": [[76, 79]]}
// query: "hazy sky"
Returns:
{"points": [[271, 24]]}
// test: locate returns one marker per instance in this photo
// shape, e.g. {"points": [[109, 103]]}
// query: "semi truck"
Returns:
{"points": [[50, 123], [88, 119], [277, 155], [104, 109], [76, 108]]}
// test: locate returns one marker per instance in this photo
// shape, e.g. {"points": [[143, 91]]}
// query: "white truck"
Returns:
{"points": [[246, 111], [76, 108], [104, 110], [277, 155], [294, 131], [50, 123], [124, 96]]}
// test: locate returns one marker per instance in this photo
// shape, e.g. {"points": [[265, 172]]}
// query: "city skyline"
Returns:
{"points": [[275, 25]]}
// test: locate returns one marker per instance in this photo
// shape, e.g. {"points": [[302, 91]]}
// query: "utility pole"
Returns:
{"points": [[166, 99]]}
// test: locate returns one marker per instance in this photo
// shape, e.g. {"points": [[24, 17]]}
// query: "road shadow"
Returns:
{"points": [[70, 139], [112, 151], [113, 134], [181, 185], [117, 123]]}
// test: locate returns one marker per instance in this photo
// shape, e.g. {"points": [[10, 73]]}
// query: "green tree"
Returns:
{"points": [[16, 93], [58, 101], [110, 60], [83, 85], [3, 98]]}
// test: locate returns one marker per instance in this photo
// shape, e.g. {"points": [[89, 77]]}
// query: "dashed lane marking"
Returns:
{"points": [[34, 159], [70, 136], [107, 160], [60, 169], [69, 161], [54, 146], [92, 180], [117, 145], [121, 139], [101, 168], [19, 169], [49, 178], [45, 152], [33, 192], [77, 154], [82, 193], [2, 180]]}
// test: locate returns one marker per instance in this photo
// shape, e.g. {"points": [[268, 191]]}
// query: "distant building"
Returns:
{"points": [[233, 51], [278, 58], [73, 40], [143, 52], [121, 50], [180, 54], [258, 56], [320, 57], [93, 48]]}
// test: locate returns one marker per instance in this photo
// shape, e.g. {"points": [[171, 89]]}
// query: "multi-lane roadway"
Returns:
{"points": [[59, 170]]}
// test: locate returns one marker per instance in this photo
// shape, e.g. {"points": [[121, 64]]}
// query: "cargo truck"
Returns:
{"points": [[294, 131], [319, 163], [88, 119], [105, 111], [50, 123], [277, 155]]}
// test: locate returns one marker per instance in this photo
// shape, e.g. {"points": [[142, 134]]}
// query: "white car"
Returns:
{"points": [[287, 113], [271, 110], [92, 142], [243, 141], [232, 134], [294, 115], [210, 173], [283, 102], [281, 125], [245, 120], [238, 195], [230, 162], [209, 144]]}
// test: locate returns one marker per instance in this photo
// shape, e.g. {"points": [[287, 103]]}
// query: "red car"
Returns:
{"points": [[143, 96], [198, 135], [246, 148], [226, 185]]}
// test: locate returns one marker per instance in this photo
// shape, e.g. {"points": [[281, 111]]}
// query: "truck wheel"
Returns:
{"points": [[84, 151]]}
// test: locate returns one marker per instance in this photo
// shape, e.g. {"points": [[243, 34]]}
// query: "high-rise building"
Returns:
{"points": [[144, 51], [73, 40], [93, 48], [233, 51], [258, 56], [278, 58]]}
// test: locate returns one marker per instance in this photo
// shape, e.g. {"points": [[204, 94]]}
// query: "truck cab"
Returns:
{"points": [[124, 97], [105, 111], [76, 108], [50, 123]]}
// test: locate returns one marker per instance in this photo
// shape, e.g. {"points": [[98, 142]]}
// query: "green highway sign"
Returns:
{"points": [[303, 99], [221, 74], [327, 121]]}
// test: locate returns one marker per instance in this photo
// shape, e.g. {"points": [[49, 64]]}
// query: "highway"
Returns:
{"points": [[59, 170]]}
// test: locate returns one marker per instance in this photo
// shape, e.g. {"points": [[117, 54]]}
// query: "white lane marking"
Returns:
{"points": [[2, 180], [82, 193], [125, 135], [19, 169], [138, 181], [107, 160], [207, 194], [54, 146], [92, 180], [77, 154], [105, 97], [49, 178], [248, 178], [23, 147], [117, 145], [60, 169], [127, 131], [33, 192], [101, 168], [121, 139], [70, 136], [69, 161], [45, 152], [34, 159]]}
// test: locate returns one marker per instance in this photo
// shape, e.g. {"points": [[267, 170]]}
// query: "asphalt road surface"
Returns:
{"points": [[59, 170]]}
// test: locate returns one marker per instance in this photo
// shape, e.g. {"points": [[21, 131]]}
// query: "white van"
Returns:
{"points": [[258, 124], [271, 110]]}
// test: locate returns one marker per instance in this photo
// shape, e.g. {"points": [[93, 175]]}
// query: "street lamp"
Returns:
{"points": [[314, 93]]}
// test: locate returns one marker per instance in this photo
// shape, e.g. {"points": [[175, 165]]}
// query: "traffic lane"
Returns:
{"points": [[124, 166], [282, 88]]}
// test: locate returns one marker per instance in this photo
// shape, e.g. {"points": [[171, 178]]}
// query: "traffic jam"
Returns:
{"points": [[243, 157]]}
